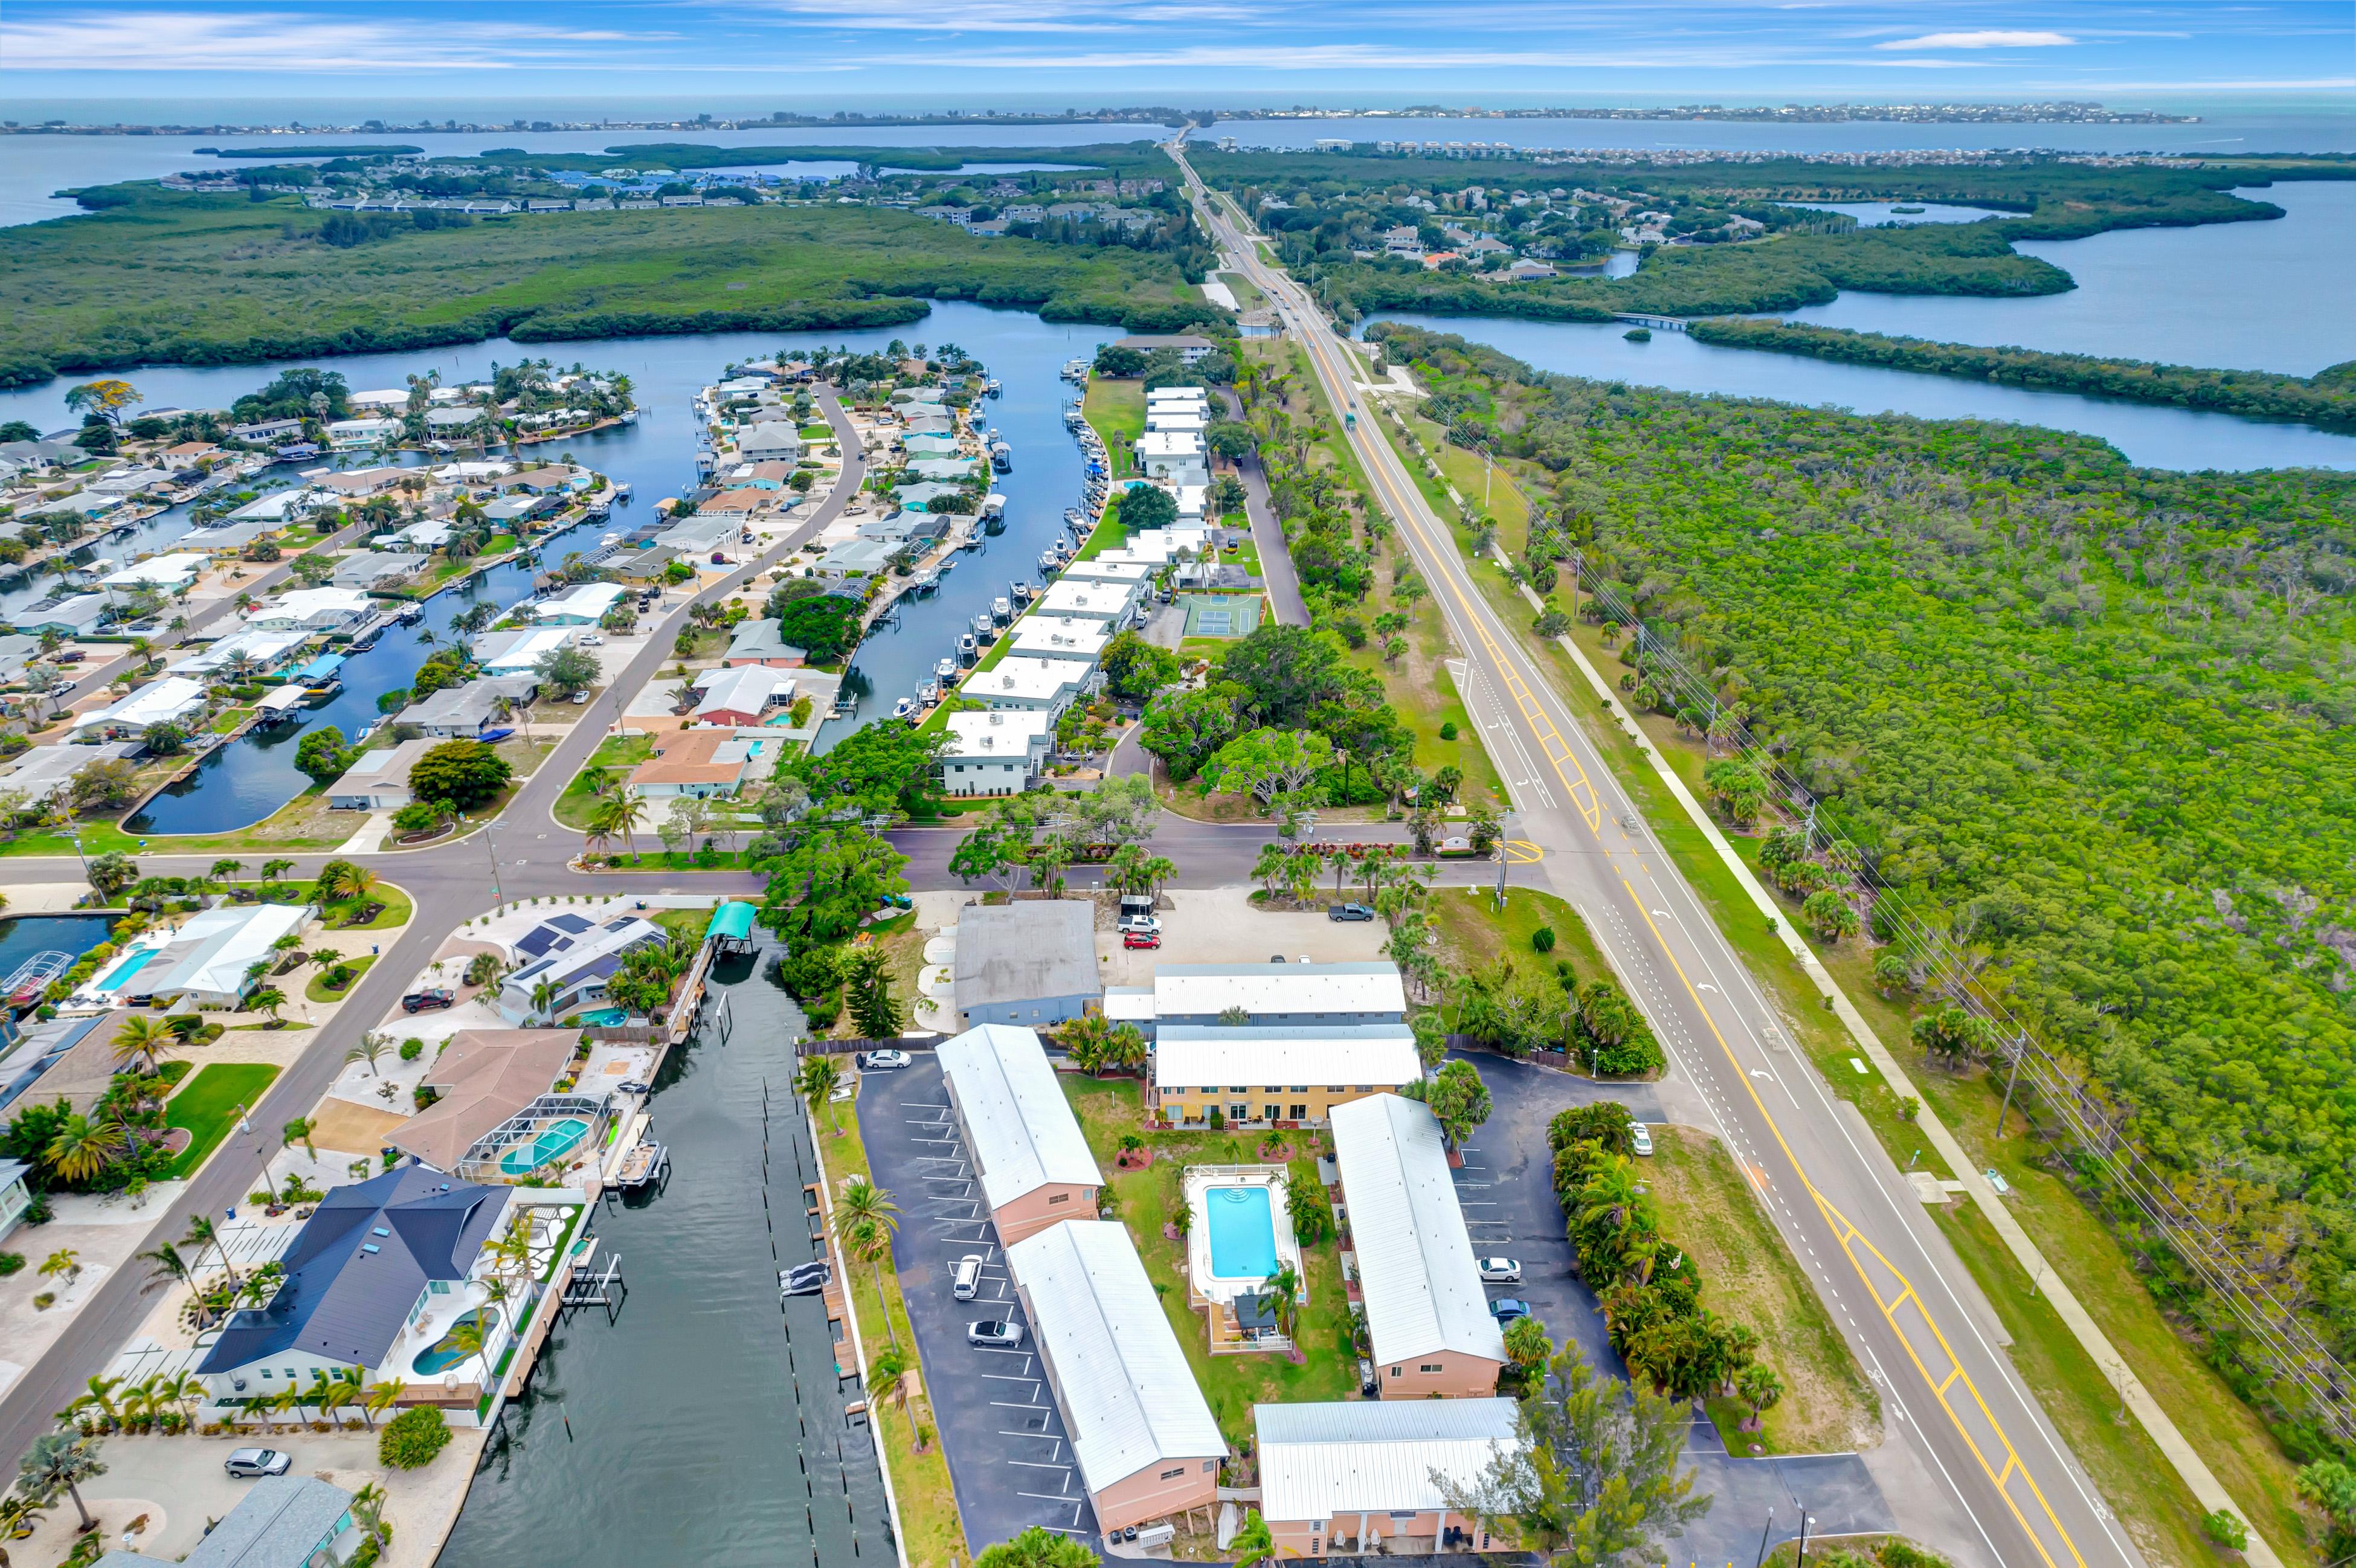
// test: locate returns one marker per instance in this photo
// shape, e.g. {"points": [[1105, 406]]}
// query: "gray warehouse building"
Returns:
{"points": [[1033, 964]]}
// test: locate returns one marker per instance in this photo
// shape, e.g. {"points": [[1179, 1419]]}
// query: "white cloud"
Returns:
{"points": [[1984, 38], [191, 41]]}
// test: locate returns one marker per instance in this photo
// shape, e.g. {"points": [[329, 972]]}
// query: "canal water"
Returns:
{"points": [[252, 777], [706, 1423], [25, 935]]}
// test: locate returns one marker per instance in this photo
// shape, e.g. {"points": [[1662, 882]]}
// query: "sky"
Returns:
{"points": [[733, 56]]}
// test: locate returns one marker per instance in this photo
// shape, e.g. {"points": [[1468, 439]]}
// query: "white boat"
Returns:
{"points": [[946, 669], [930, 691], [1002, 457], [1002, 609], [621, 491], [904, 708], [1022, 592], [969, 648], [1050, 563]]}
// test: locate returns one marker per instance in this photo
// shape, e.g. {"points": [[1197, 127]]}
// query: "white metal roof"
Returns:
{"points": [[1186, 990], [1022, 677], [1128, 573], [1129, 1397], [1317, 1461], [1196, 1056], [998, 735], [1060, 637], [211, 954], [1129, 1004], [1090, 600], [1422, 1287], [1019, 1128], [155, 703]]}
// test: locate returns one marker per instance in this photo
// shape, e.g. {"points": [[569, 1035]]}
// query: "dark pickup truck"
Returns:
{"points": [[425, 1001]]}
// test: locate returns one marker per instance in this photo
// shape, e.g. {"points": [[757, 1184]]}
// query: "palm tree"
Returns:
{"points": [[1254, 1543], [171, 1270], [543, 997], [290, 1400], [817, 1081], [184, 1390], [274, 869], [359, 882], [380, 1398], [139, 1041], [60, 1462], [268, 999], [1274, 861], [623, 813], [224, 871], [203, 1233], [370, 1050], [863, 1222], [484, 971], [1280, 1288], [84, 1148], [100, 1397]]}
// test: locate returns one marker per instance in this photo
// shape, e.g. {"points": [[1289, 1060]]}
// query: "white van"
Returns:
{"points": [[966, 1282]]}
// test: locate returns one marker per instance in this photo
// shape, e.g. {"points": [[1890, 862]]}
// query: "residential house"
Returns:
{"points": [[481, 1078], [995, 752], [174, 699], [552, 479], [356, 484], [354, 436], [574, 957], [1275, 1076], [705, 763], [1358, 1477], [857, 558], [1190, 347], [583, 604], [1017, 681], [16, 1194], [1026, 1148], [1174, 458], [267, 432], [770, 441], [163, 573], [1107, 602], [250, 649], [1132, 577], [1426, 1310], [740, 505], [47, 772], [451, 422], [465, 712], [519, 651], [378, 780], [207, 961], [1033, 964], [760, 641], [311, 610], [1281, 995], [376, 571], [1143, 1439], [280, 1521], [379, 1272], [1061, 637], [426, 536], [742, 696]]}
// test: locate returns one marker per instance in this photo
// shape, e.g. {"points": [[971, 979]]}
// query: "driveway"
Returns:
{"points": [[1009, 1458], [1276, 576]]}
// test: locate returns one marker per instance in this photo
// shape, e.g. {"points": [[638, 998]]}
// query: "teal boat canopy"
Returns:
{"points": [[731, 922]]}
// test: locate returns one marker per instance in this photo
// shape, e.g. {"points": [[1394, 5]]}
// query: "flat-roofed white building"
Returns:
{"points": [[1061, 637], [1281, 995], [1426, 1310], [1291, 1075], [519, 651], [1353, 1477], [1173, 457], [206, 962], [165, 574], [311, 610], [1027, 1150], [1142, 1435], [1129, 574], [583, 604], [263, 651], [1107, 601], [995, 752], [1017, 681]]}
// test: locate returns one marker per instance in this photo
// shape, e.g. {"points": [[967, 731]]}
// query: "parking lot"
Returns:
{"points": [[1009, 1458]]}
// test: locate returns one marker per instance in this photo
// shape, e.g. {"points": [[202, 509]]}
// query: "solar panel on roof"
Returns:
{"points": [[573, 924]]}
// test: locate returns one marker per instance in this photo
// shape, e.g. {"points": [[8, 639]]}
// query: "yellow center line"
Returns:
{"points": [[1582, 793]]}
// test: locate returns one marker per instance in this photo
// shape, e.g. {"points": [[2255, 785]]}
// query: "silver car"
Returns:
{"points": [[1640, 1138], [1501, 1271], [250, 1464], [1003, 1334]]}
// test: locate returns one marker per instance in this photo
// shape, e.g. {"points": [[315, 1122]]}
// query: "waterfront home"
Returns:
{"points": [[699, 536], [518, 650], [1027, 1151], [382, 1270], [995, 752], [742, 696], [18, 653], [1172, 457], [47, 772], [574, 956], [376, 571], [450, 421], [174, 699], [1354, 1478], [1016, 681], [130, 481], [482, 1077], [942, 470], [1130, 575], [207, 961], [1190, 347], [770, 441], [463, 712], [551, 479], [266, 433], [428, 535], [857, 559], [1061, 637], [1033, 964], [250, 649], [1426, 1309], [311, 610], [354, 436], [16, 1194], [356, 484], [378, 780], [77, 616], [1142, 1435], [705, 763], [280, 1521], [583, 604], [1289, 1075], [1281, 995], [924, 448], [762, 642]]}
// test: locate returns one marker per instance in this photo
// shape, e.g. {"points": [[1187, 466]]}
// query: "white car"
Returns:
{"points": [[1501, 1271], [1144, 924], [1640, 1136], [883, 1060], [588, 640]]}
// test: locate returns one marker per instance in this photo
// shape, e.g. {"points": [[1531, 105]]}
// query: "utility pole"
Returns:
{"points": [[1763, 1532], [2019, 1049]]}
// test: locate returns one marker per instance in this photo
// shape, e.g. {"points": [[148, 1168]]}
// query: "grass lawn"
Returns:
{"points": [[573, 807], [207, 1106], [1106, 535], [2077, 1394], [395, 913], [1149, 1198], [229, 718], [1474, 932], [1750, 1276], [318, 991], [1117, 411], [931, 1532]]}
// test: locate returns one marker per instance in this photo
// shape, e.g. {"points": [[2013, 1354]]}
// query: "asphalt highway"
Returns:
{"points": [[1995, 1484]]}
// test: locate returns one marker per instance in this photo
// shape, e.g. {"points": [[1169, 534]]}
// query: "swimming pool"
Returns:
{"points": [[1242, 1231], [605, 1018], [554, 1142], [128, 968], [442, 1355]]}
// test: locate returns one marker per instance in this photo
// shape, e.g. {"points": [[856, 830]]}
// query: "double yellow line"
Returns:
{"points": [[1893, 1295]]}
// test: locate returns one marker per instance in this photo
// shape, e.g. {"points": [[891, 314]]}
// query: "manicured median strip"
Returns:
{"points": [[207, 1106]]}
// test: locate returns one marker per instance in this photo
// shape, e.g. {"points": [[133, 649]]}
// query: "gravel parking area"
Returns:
{"points": [[1009, 1458]]}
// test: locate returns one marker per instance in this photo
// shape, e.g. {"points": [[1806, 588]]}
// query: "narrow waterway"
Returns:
{"points": [[2154, 437], [254, 776], [706, 1422]]}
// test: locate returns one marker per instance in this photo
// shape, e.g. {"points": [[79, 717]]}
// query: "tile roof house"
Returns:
{"points": [[698, 762], [483, 1077]]}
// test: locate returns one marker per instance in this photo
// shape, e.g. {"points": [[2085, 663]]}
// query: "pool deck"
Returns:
{"points": [[1204, 1285]]}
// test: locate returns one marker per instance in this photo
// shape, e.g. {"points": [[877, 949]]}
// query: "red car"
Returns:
{"points": [[1141, 939]]}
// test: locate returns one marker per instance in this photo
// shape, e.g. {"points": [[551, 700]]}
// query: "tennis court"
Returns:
{"points": [[1222, 614]]}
